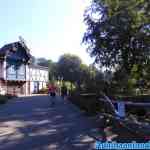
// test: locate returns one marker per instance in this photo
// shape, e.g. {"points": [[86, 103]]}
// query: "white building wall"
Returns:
{"points": [[1, 69], [27, 80], [27, 73], [40, 85], [4, 68], [31, 87], [33, 75], [37, 76]]}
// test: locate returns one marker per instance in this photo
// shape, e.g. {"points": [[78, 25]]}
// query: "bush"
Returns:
{"points": [[86, 102], [3, 99], [43, 91]]}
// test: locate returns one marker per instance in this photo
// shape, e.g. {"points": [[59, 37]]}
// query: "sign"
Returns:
{"points": [[121, 109]]}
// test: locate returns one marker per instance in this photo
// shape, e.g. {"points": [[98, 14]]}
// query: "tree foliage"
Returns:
{"points": [[42, 62], [53, 70], [118, 32], [68, 67], [86, 78]]}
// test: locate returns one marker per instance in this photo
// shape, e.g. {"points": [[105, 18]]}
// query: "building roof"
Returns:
{"points": [[15, 51], [38, 67], [18, 51]]}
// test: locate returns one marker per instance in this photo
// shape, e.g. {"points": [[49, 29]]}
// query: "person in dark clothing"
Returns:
{"points": [[52, 92], [63, 91]]}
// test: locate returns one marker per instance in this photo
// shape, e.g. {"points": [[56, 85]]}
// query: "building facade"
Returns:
{"points": [[36, 77], [17, 75]]}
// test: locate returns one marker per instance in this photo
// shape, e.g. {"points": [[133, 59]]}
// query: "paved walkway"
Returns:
{"points": [[29, 123]]}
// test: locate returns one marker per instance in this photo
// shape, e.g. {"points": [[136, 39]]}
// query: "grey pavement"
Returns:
{"points": [[30, 123]]}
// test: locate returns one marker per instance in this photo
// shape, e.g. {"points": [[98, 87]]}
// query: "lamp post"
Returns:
{"points": [[58, 83], [60, 79], [71, 71]]}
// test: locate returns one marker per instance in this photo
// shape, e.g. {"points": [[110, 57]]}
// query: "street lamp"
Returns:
{"points": [[60, 79]]}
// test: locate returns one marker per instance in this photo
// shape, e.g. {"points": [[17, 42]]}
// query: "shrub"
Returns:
{"points": [[3, 99], [43, 91], [87, 102]]}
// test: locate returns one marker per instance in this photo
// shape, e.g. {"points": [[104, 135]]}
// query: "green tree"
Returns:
{"points": [[53, 70], [42, 62], [69, 67], [91, 79], [118, 33], [84, 76], [32, 59]]}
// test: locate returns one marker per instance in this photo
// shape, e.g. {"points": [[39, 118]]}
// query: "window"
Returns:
{"points": [[11, 69], [11, 72], [21, 70]]}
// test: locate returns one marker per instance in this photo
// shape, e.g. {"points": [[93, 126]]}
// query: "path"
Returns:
{"points": [[30, 123]]}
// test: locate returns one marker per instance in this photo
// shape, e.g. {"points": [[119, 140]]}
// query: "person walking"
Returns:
{"points": [[52, 92], [63, 91]]}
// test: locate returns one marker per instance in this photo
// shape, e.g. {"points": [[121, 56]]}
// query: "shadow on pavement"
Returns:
{"points": [[30, 123]]}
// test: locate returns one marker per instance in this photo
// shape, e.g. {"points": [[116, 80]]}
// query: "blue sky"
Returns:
{"points": [[50, 27]]}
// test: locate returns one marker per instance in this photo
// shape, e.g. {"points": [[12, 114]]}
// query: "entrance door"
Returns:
{"points": [[36, 87]]}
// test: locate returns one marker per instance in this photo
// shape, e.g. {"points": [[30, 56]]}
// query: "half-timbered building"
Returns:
{"points": [[17, 75]]}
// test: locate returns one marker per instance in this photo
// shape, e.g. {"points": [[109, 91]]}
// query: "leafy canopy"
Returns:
{"points": [[69, 66], [118, 32]]}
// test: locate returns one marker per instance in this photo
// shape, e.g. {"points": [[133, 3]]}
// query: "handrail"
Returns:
{"points": [[128, 102]]}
